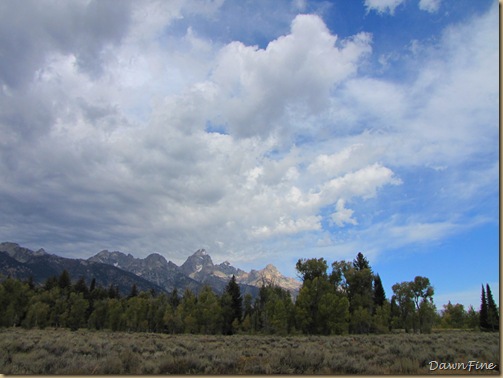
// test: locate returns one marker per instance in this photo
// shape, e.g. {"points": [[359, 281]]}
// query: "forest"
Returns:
{"points": [[347, 299]]}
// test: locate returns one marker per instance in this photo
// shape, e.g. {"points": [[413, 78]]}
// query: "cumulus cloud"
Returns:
{"points": [[431, 6], [389, 6], [297, 70], [105, 141], [383, 6], [83, 28], [343, 215]]}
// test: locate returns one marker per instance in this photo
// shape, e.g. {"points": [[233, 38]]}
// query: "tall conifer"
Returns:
{"points": [[484, 320], [492, 311], [379, 294]]}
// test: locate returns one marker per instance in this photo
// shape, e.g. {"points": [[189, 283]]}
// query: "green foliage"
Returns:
{"points": [[309, 269], [405, 312], [382, 319], [361, 263], [209, 312], [74, 316], [348, 299], [321, 308], [187, 311], [37, 315], [453, 316], [14, 300], [489, 313], [472, 318], [484, 311], [379, 293], [416, 310], [492, 311], [232, 306], [64, 281], [62, 352]]}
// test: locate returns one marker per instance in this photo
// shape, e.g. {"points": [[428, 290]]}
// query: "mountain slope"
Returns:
{"points": [[153, 272], [200, 267], [153, 268], [19, 262]]}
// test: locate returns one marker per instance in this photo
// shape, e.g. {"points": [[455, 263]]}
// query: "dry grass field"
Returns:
{"points": [[60, 351]]}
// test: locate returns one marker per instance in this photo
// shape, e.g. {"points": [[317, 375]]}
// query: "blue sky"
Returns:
{"points": [[262, 131]]}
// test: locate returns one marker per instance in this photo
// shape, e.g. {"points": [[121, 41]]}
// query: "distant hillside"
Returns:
{"points": [[153, 272], [19, 262]]}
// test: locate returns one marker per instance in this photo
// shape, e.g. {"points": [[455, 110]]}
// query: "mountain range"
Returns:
{"points": [[153, 272]]}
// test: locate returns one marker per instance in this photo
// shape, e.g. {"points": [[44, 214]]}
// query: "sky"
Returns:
{"points": [[261, 131]]}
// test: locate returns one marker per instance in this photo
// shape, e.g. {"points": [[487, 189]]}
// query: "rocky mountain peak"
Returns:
{"points": [[200, 252], [19, 253], [156, 259], [271, 268], [198, 264]]}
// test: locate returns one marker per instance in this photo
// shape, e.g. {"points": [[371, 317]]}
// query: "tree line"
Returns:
{"points": [[349, 298]]}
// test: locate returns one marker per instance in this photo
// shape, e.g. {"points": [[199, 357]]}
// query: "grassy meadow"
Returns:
{"points": [[83, 352]]}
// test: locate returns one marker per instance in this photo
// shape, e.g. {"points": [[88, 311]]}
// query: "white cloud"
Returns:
{"points": [[430, 6], [122, 160], [389, 6], [258, 87], [383, 6], [343, 215]]}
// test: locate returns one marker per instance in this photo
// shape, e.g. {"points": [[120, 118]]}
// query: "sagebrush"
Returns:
{"points": [[60, 351]]}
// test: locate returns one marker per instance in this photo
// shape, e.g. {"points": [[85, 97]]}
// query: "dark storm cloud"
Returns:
{"points": [[30, 30]]}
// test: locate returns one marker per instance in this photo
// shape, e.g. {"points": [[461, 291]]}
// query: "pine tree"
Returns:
{"points": [[93, 285], [237, 300], [81, 287], [484, 319], [64, 280], [232, 306], [174, 299], [492, 311], [134, 291], [359, 281], [379, 294], [361, 262]]}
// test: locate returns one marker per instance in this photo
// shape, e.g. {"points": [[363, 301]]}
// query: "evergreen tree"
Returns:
{"points": [[113, 292], [30, 282], [134, 291], [64, 280], [81, 287], [360, 293], [379, 294], [360, 263], [93, 285], [232, 306], [174, 299], [50, 283], [492, 311], [227, 313], [236, 298], [484, 312], [247, 305]]}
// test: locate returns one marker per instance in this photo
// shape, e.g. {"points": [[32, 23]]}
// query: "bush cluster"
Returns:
{"points": [[60, 351]]}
